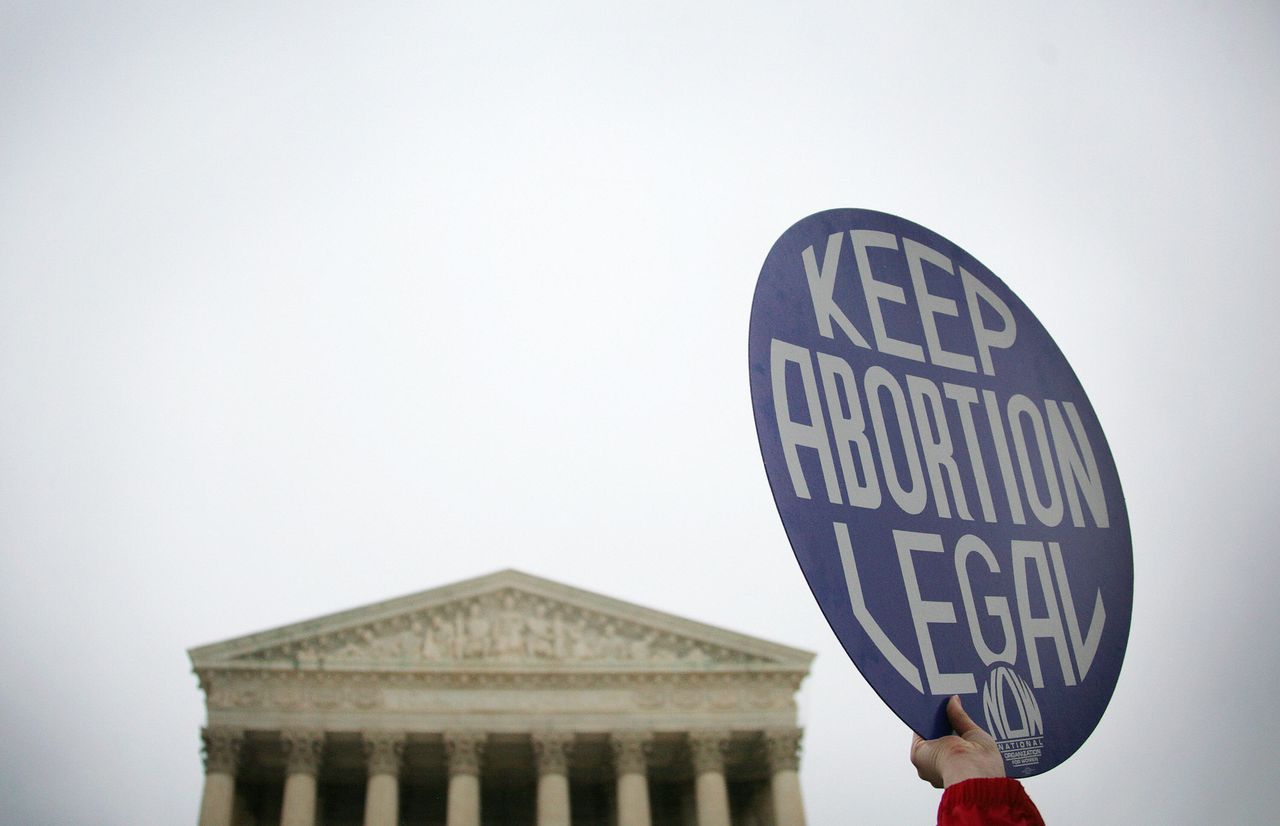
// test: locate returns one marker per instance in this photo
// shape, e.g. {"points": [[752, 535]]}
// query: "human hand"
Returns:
{"points": [[967, 754]]}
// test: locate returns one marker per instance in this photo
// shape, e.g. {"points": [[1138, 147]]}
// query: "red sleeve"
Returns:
{"points": [[993, 801]]}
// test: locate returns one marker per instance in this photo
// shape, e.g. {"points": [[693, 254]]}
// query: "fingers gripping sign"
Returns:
{"points": [[969, 765], [967, 754]]}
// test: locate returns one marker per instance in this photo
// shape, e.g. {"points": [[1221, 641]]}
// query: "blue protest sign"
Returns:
{"points": [[944, 482]]}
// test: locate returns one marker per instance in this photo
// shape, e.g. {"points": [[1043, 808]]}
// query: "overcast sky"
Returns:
{"points": [[307, 306]]}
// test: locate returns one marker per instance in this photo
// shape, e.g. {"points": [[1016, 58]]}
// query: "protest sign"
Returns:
{"points": [[944, 482]]}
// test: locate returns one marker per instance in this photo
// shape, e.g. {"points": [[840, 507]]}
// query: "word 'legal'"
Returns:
{"points": [[1062, 628]]}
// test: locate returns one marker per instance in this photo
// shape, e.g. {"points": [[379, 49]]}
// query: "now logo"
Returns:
{"points": [[1011, 709]]}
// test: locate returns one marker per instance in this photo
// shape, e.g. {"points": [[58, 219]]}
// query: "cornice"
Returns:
{"points": [[517, 679], [229, 690], [499, 670]]}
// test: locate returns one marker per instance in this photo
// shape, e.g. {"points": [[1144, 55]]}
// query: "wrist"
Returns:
{"points": [[959, 774]]}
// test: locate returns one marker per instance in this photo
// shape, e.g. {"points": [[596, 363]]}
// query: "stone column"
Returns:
{"points": [[221, 759], [384, 751], [551, 749], [303, 750], [784, 762], [707, 750], [465, 750], [630, 762]]}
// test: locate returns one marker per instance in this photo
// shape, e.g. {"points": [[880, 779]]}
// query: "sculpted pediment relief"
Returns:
{"points": [[506, 619], [508, 626]]}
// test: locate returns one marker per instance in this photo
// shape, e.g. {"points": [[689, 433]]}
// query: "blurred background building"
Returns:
{"points": [[504, 699]]}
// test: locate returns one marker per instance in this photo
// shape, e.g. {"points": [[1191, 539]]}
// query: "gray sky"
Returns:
{"points": [[303, 308]]}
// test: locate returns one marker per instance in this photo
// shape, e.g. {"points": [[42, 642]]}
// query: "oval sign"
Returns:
{"points": [[944, 482]]}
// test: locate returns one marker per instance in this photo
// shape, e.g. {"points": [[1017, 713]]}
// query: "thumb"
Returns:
{"points": [[959, 719]]}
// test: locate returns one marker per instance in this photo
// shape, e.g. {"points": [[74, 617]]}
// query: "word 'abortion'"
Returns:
{"points": [[1039, 447]]}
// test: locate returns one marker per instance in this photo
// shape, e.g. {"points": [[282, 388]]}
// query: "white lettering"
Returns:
{"points": [[1086, 649], [877, 291], [913, 500], [795, 434], [997, 607], [926, 612], [931, 305], [1077, 465], [1035, 628], [822, 285], [935, 443], [987, 337], [1012, 494], [850, 431], [965, 398], [859, 604], [1049, 513]]}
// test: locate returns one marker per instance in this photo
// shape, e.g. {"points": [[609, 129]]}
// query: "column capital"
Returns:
{"points": [[465, 750], [384, 751], [303, 750], [221, 748], [783, 747], [706, 748], [552, 750], [630, 751]]}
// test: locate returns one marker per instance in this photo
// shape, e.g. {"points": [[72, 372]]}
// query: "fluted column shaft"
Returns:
{"points": [[784, 763], [221, 759], [465, 751], [551, 750], [553, 800], [706, 748], [384, 751], [303, 752], [630, 762]]}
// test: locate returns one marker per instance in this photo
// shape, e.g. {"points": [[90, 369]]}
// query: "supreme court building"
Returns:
{"points": [[507, 700]]}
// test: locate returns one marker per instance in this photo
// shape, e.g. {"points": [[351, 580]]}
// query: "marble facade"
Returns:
{"points": [[505, 699]]}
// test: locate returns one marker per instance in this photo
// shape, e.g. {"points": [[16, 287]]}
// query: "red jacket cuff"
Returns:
{"points": [[988, 801]]}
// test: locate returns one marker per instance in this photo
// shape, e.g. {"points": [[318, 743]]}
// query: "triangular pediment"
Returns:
{"points": [[506, 620]]}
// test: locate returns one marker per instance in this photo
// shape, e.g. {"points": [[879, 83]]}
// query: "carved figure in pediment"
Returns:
{"points": [[509, 633], [308, 655], [640, 648], [540, 642], [387, 647], [357, 647], [479, 629], [431, 649], [660, 648], [695, 654], [439, 640], [391, 646], [613, 646], [409, 641], [458, 621], [588, 645], [567, 638], [450, 636]]}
